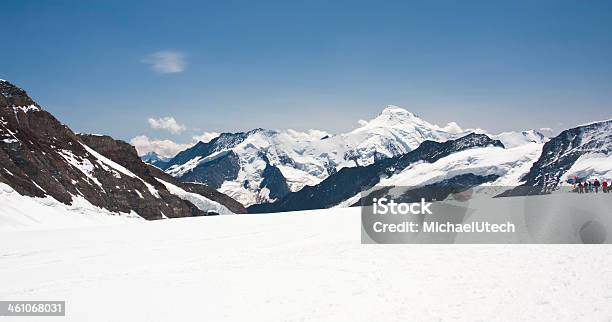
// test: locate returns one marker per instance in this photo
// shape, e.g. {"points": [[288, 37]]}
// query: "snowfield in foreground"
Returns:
{"points": [[292, 267]]}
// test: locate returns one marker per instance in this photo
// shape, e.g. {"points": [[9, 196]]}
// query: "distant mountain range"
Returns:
{"points": [[271, 171]]}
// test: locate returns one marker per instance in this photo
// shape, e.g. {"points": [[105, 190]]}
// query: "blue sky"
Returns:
{"points": [[236, 65]]}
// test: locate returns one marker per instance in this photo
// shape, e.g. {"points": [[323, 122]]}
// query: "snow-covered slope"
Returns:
{"points": [[515, 139], [19, 212], [199, 201], [509, 164], [307, 266], [393, 132]]}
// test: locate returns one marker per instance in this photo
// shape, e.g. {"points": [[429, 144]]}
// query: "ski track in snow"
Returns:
{"points": [[306, 266]]}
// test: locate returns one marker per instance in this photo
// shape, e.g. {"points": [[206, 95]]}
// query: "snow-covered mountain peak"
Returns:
{"points": [[391, 116], [396, 131], [396, 110], [397, 117]]}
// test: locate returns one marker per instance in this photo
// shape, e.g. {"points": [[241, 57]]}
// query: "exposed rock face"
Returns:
{"points": [[349, 182], [41, 157], [215, 172], [560, 153], [34, 149], [121, 152], [222, 142], [274, 181]]}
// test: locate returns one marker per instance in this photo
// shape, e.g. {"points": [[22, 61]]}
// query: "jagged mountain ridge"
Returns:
{"points": [[40, 157], [238, 163]]}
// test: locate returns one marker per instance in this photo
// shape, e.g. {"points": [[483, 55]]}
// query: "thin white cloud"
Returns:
{"points": [[167, 61], [307, 135], [166, 123], [167, 148], [547, 131], [453, 127], [164, 148], [205, 137]]}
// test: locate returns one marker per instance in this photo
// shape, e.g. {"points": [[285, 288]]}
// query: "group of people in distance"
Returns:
{"points": [[589, 186]]}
